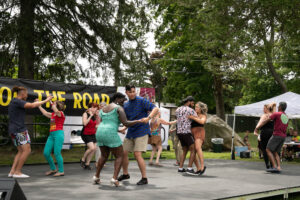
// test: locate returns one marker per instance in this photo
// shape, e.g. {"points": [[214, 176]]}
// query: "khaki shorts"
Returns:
{"points": [[136, 144]]}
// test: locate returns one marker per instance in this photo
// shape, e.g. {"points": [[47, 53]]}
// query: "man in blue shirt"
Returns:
{"points": [[137, 136]]}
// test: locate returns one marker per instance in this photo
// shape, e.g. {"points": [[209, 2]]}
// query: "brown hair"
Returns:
{"points": [[93, 105], [18, 89], [60, 105]]}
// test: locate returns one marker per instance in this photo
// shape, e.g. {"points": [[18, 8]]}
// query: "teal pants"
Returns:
{"points": [[54, 144]]}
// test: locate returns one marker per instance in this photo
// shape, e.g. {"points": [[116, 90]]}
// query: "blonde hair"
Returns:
{"points": [[203, 107]]}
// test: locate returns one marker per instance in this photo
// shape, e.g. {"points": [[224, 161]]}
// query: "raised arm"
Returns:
{"points": [[200, 120], [37, 103], [86, 119], [167, 123], [123, 118], [55, 110], [44, 112]]}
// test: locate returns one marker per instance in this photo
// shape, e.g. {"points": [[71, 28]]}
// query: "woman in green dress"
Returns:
{"points": [[107, 135]]}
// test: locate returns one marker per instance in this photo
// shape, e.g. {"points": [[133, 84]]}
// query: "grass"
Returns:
{"points": [[7, 153]]}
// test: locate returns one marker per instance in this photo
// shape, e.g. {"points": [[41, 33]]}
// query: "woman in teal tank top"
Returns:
{"points": [[107, 135]]}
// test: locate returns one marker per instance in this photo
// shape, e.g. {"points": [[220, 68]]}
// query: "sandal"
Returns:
{"points": [[57, 174], [82, 163], [96, 180], [115, 182], [48, 173]]}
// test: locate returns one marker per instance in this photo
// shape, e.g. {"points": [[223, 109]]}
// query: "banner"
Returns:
{"points": [[76, 97]]}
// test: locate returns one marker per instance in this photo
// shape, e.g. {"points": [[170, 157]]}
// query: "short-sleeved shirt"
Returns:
{"points": [[16, 113], [56, 122], [183, 122], [137, 109], [280, 123]]}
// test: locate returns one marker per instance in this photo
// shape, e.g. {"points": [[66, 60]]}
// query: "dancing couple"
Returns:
{"points": [[191, 134]]}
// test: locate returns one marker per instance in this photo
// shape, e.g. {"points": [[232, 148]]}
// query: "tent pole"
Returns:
{"points": [[232, 139]]}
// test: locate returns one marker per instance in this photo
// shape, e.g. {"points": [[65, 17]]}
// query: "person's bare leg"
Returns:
{"points": [[277, 160], [141, 163], [118, 154], [91, 154], [90, 150], [192, 155], [198, 145], [26, 150], [271, 157], [125, 163], [158, 154], [102, 160], [152, 153], [183, 156], [16, 160]]}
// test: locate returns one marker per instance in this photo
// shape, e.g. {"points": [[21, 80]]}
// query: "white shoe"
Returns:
{"points": [[20, 176], [96, 180], [115, 182], [10, 175]]}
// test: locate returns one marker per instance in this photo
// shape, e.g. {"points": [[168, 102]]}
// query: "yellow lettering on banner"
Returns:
{"points": [[39, 92], [84, 96], [15, 94], [54, 97], [8, 99], [96, 98], [105, 97], [60, 98], [77, 100]]}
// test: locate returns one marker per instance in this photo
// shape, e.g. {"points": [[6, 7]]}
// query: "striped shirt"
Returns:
{"points": [[137, 109]]}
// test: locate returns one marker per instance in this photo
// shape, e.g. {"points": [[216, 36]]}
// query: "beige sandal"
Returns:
{"points": [[48, 173], [59, 174]]}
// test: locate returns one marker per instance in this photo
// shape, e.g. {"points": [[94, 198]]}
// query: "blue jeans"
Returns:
{"points": [[55, 142]]}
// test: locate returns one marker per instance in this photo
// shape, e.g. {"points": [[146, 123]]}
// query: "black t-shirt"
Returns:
{"points": [[16, 113]]}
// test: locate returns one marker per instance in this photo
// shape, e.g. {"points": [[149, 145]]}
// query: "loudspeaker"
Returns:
{"points": [[245, 154], [10, 190]]}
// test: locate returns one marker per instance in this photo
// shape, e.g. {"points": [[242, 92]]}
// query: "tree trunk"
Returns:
{"points": [[218, 93], [26, 39], [117, 60], [276, 76]]}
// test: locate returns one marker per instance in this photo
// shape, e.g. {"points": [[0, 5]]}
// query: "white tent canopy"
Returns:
{"points": [[256, 109]]}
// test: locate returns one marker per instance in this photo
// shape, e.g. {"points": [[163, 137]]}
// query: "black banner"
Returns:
{"points": [[76, 97]]}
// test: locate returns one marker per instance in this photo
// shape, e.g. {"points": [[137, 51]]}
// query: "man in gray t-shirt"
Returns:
{"points": [[16, 113]]}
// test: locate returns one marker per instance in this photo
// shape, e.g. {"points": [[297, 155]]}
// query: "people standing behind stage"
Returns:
{"points": [[90, 119], [18, 130], [137, 108], [185, 135], [55, 139], [276, 141], [266, 130], [155, 138], [107, 135], [198, 132]]}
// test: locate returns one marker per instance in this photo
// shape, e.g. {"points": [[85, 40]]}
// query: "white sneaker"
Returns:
{"points": [[20, 176], [10, 175]]}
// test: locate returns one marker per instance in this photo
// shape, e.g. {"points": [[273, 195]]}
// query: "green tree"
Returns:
{"points": [[37, 32]]}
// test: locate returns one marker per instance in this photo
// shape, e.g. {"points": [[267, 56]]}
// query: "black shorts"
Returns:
{"points": [[186, 139], [275, 143], [88, 138]]}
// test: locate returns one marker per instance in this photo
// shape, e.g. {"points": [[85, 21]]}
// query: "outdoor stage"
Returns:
{"points": [[223, 179]]}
